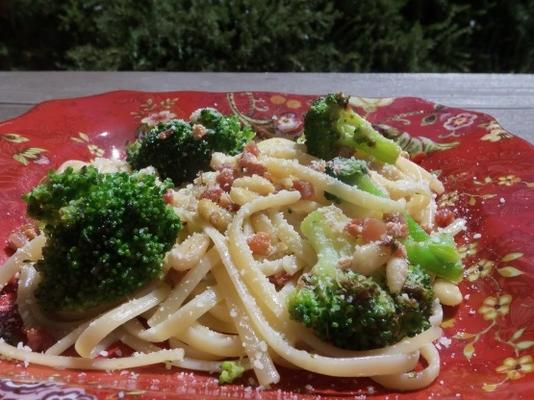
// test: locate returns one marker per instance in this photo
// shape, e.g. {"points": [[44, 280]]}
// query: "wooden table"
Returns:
{"points": [[509, 98]]}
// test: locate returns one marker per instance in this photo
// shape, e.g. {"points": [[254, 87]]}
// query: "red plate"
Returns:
{"points": [[489, 177]]}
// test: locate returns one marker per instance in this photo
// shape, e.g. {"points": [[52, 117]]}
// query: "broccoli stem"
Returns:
{"points": [[359, 134], [435, 253], [353, 172], [315, 230], [415, 231], [420, 254], [364, 183]]}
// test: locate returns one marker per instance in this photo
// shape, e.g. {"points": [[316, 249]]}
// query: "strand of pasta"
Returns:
{"points": [[286, 263], [66, 341], [286, 289], [180, 292], [242, 256], [183, 317], [106, 364], [101, 347], [103, 325], [428, 213], [437, 314], [296, 244], [134, 329], [401, 187], [419, 173], [255, 348], [220, 312], [188, 253], [187, 362], [344, 367], [190, 351], [220, 344], [414, 380], [261, 223], [406, 346], [455, 227], [323, 182], [31, 251], [286, 149]]}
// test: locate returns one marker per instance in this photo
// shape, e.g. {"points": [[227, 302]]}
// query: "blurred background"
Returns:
{"points": [[256, 35]]}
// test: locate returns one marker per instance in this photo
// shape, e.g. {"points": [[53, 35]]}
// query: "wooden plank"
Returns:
{"points": [[464, 90], [12, 110]]}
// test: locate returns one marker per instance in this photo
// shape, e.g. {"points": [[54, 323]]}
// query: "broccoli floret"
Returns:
{"points": [[330, 123], [179, 150], [414, 302], [172, 149], [107, 234], [346, 308], [230, 371], [353, 172], [224, 133], [208, 116], [45, 200]]}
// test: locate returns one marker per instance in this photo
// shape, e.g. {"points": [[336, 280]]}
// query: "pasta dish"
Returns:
{"points": [[209, 251]]}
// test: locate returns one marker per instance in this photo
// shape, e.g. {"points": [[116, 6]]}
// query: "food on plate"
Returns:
{"points": [[178, 150], [331, 124], [208, 251], [106, 236]]}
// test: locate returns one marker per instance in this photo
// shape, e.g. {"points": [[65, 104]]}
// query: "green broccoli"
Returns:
{"points": [[172, 149], [224, 133], [330, 123], [346, 308], [179, 149], [107, 234], [414, 302], [230, 371], [353, 172], [435, 253]]}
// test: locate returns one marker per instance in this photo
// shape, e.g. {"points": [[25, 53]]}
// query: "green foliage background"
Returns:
{"points": [[275, 35]]}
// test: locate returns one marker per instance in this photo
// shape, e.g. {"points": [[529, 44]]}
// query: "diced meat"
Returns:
{"points": [[38, 339], [260, 243], [226, 178], [252, 148], [280, 279], [249, 165], [226, 202], [21, 236], [354, 227], [213, 193], [373, 229], [444, 217], [370, 229], [168, 196], [305, 188]]}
